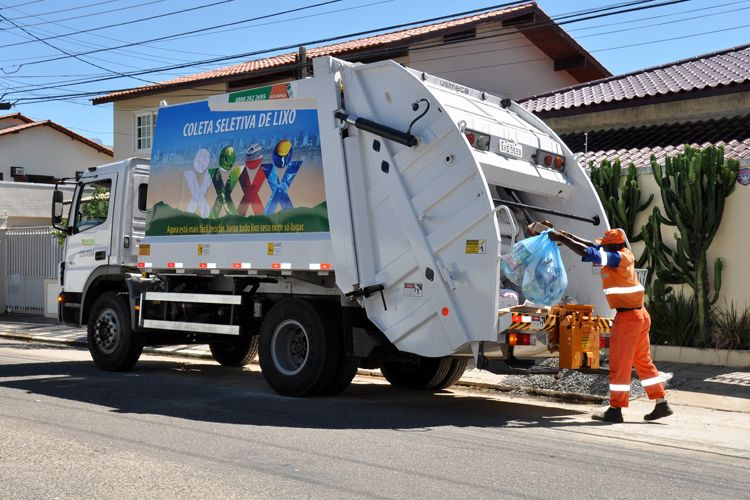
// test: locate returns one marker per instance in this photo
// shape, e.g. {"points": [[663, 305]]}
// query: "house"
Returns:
{"points": [[701, 101], [512, 52], [42, 151]]}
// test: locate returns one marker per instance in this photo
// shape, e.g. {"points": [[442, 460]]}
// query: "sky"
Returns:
{"points": [[622, 43]]}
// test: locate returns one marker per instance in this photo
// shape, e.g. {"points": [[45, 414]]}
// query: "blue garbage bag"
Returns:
{"points": [[537, 267]]}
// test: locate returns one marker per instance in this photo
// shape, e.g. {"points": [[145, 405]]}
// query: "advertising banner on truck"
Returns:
{"points": [[238, 171]]}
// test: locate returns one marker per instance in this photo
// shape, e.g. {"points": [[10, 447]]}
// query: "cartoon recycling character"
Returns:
{"points": [[282, 158], [224, 202]]}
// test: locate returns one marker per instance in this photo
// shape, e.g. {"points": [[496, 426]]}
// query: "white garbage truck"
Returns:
{"points": [[354, 218]]}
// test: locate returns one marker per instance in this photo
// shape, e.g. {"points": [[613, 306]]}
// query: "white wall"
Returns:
{"points": [[43, 150], [125, 111], [26, 204], [509, 66]]}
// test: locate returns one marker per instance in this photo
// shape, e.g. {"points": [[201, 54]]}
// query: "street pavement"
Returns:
{"points": [[188, 428]]}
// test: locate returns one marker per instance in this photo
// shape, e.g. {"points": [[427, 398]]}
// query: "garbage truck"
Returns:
{"points": [[353, 218]]}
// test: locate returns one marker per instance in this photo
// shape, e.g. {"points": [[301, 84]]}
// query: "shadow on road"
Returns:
{"points": [[211, 393]]}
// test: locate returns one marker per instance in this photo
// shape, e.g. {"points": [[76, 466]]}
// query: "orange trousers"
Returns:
{"points": [[629, 347]]}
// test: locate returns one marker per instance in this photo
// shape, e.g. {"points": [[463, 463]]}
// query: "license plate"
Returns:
{"points": [[509, 148]]}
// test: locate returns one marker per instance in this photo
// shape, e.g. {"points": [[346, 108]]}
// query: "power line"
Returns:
{"points": [[69, 54], [124, 23], [389, 50], [79, 7], [20, 4], [89, 45], [132, 44]]}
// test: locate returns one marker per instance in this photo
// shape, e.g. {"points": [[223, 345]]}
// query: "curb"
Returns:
{"points": [[564, 396]]}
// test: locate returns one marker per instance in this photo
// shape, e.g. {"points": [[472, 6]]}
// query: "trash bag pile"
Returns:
{"points": [[537, 267]]}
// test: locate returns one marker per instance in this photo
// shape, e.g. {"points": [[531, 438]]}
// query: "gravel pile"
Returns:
{"points": [[569, 381]]}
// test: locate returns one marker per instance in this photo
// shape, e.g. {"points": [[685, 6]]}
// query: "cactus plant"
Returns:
{"points": [[694, 186], [621, 201]]}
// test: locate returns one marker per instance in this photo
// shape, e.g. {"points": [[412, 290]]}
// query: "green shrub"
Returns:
{"points": [[730, 329], [674, 320]]}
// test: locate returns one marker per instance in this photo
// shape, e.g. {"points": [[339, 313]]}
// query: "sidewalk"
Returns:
{"points": [[713, 387]]}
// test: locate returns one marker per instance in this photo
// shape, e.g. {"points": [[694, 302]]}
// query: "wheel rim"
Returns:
{"points": [[107, 331], [289, 347]]}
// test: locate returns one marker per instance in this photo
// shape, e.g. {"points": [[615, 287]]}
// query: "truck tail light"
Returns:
{"points": [[520, 339], [551, 160], [478, 140], [604, 342]]}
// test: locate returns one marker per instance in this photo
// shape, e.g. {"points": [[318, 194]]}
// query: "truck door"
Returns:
{"points": [[89, 244]]}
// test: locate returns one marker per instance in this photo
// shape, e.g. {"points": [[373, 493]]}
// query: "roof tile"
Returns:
{"points": [[726, 67]]}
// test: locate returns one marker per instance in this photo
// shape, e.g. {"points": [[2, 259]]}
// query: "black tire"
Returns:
{"points": [[299, 352], [347, 364], [235, 352], [419, 373], [457, 369], [113, 344]]}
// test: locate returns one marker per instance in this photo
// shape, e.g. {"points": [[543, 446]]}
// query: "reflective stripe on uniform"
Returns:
{"points": [[618, 290], [619, 387], [651, 381], [603, 256]]}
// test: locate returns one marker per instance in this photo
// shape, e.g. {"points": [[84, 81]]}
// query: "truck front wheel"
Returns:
{"points": [[299, 352], [113, 344], [235, 352], [419, 373]]}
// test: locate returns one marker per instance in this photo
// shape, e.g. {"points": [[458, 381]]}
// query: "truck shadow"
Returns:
{"points": [[211, 393]]}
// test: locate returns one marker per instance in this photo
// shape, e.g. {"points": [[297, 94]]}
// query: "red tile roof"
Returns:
{"points": [[717, 69], [637, 144], [388, 40], [16, 116], [59, 128]]}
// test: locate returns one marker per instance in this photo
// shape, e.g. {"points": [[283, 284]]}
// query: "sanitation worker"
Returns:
{"points": [[629, 341]]}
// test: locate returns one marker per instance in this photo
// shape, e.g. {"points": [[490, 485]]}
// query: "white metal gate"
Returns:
{"points": [[32, 256]]}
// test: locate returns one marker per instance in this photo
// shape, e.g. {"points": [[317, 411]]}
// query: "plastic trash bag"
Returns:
{"points": [[537, 267]]}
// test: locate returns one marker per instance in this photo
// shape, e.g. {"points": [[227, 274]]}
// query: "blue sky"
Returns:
{"points": [[623, 43]]}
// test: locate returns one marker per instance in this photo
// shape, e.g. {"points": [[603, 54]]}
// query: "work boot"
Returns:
{"points": [[661, 410], [612, 415]]}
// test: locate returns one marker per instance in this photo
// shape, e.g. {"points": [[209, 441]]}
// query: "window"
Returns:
{"points": [[93, 205], [142, 196], [144, 129]]}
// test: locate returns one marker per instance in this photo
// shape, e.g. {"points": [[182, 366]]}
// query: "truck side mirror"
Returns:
{"points": [[57, 208]]}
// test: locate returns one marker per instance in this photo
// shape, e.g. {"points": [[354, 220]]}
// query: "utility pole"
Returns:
{"points": [[5, 105]]}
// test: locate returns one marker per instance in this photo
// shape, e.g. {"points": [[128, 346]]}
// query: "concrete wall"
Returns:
{"points": [[25, 204], [509, 65], [43, 150], [125, 111], [687, 110]]}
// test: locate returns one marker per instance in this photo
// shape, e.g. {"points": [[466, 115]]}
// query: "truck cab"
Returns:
{"points": [[105, 223]]}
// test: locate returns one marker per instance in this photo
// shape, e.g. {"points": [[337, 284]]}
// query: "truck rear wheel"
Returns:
{"points": [[299, 351], [455, 372], [419, 373], [236, 351], [113, 344]]}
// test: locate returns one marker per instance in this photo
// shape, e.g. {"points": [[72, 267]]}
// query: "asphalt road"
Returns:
{"points": [[187, 429]]}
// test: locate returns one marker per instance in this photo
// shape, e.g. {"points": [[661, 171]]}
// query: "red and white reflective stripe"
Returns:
{"points": [[144, 264], [174, 265], [241, 265], [207, 265], [619, 387], [521, 319], [281, 265], [322, 266], [619, 290], [651, 381]]}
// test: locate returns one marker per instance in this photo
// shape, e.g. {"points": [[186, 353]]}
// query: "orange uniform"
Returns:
{"points": [[629, 342]]}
